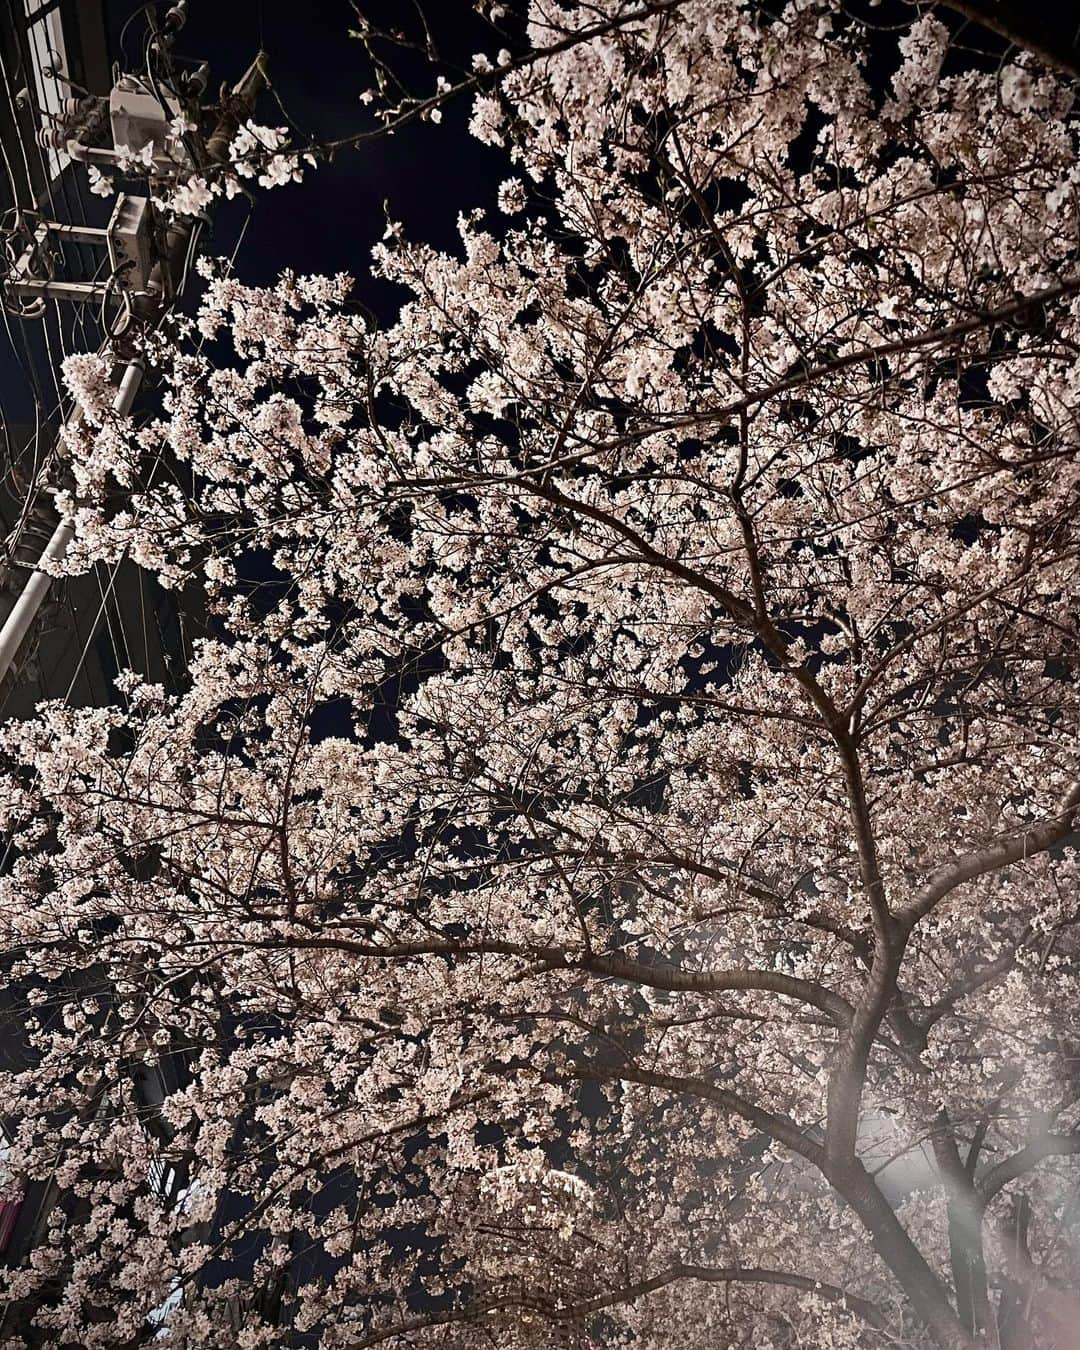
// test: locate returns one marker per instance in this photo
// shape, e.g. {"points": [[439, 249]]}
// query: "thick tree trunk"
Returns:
{"points": [[965, 1219], [1049, 32], [900, 1254]]}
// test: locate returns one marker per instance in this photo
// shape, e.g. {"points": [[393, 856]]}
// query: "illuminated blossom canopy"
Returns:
{"points": [[674, 940]]}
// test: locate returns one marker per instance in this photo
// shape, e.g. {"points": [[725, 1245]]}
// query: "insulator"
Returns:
{"points": [[53, 138], [195, 81], [176, 17], [79, 107]]}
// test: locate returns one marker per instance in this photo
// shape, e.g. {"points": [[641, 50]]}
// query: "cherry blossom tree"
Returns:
{"points": [[614, 885]]}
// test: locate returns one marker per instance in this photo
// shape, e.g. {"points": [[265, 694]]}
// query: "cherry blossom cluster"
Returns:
{"points": [[608, 877]]}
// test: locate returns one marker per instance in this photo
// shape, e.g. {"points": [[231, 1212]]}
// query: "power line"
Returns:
{"points": [[149, 308], [107, 593], [12, 107]]}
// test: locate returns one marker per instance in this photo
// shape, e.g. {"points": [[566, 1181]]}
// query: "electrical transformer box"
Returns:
{"points": [[129, 242]]}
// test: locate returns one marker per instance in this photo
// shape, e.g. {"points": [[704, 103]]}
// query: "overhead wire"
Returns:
{"points": [[28, 32], [69, 186], [24, 357], [115, 570], [52, 328], [43, 417], [79, 313], [59, 180], [106, 607], [20, 346], [14, 111], [21, 356], [43, 414], [65, 181], [135, 14]]}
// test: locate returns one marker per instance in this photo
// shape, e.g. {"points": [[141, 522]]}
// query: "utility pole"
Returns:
{"points": [[18, 624], [146, 256]]}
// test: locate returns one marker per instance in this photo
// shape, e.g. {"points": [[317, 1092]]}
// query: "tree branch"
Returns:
{"points": [[1001, 852], [665, 976], [1024, 27], [1048, 1146], [781, 1128], [869, 1312], [861, 356]]}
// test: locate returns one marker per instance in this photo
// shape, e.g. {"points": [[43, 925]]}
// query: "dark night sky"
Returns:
{"points": [[328, 223], [426, 174]]}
